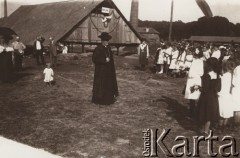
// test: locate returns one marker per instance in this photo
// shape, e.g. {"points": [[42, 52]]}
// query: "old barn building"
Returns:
{"points": [[73, 23]]}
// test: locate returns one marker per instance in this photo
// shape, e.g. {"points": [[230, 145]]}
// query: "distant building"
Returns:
{"points": [[150, 34]]}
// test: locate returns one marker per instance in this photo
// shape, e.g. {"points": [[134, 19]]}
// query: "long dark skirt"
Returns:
{"points": [[6, 67], [104, 88], [18, 58], [208, 106], [208, 109], [143, 61]]}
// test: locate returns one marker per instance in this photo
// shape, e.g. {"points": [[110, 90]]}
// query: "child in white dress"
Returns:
{"points": [[160, 61], [236, 88], [48, 74], [194, 82], [175, 54], [224, 96]]}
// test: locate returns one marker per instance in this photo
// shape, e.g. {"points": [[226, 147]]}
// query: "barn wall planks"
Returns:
{"points": [[89, 30]]}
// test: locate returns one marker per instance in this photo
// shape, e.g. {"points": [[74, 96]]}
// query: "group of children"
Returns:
{"points": [[173, 59], [176, 59], [213, 85]]}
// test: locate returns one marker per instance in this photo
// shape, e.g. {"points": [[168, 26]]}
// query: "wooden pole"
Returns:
{"points": [[171, 21]]}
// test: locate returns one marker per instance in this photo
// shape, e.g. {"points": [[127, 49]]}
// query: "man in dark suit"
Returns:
{"points": [[38, 47], [105, 88]]}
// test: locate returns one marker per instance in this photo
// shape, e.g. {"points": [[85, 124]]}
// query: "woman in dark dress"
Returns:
{"points": [[208, 107], [6, 64]]}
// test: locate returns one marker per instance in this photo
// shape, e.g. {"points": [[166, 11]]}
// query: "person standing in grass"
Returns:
{"points": [[167, 58], [105, 88], [38, 47], [48, 74], [160, 59], [143, 53], [194, 82], [175, 55], [19, 48], [225, 98], [53, 51], [208, 105], [6, 59]]}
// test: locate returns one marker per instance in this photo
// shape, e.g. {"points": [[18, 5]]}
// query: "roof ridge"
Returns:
{"points": [[64, 1]]}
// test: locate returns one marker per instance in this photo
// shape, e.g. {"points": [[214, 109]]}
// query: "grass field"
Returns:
{"points": [[62, 120]]}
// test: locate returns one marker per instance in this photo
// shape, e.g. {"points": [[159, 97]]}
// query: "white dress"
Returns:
{"points": [[188, 61], [194, 78], [161, 57], [48, 74], [224, 96], [168, 53], [181, 60], [173, 64], [236, 88]]}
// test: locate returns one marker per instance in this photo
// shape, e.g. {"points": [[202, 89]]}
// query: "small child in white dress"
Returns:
{"points": [[48, 74]]}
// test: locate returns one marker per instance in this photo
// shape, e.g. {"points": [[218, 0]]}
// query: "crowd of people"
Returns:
{"points": [[213, 79], [212, 70], [12, 51], [176, 58]]}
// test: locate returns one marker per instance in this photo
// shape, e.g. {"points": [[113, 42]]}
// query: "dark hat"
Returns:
{"points": [[105, 36]]}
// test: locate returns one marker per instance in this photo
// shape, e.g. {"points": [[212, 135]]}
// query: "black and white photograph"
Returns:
{"points": [[119, 78]]}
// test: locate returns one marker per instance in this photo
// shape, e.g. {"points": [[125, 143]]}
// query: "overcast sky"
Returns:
{"points": [[159, 10]]}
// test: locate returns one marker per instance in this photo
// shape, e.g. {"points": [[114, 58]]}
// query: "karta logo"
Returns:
{"points": [[182, 146]]}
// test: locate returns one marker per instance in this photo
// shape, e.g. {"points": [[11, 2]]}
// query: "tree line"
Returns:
{"points": [[214, 26]]}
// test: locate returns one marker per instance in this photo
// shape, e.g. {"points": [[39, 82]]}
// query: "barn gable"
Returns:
{"points": [[89, 30], [66, 20], [91, 26]]}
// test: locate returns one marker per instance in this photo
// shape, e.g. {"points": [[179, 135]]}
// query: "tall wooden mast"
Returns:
{"points": [[171, 21]]}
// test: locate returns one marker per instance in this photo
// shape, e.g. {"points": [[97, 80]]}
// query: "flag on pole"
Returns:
{"points": [[205, 8]]}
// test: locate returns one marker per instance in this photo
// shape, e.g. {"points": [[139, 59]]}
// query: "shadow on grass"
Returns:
{"points": [[179, 112], [19, 76], [14, 77]]}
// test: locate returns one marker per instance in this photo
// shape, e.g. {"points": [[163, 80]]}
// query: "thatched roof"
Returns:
{"points": [[50, 19], [215, 39]]}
